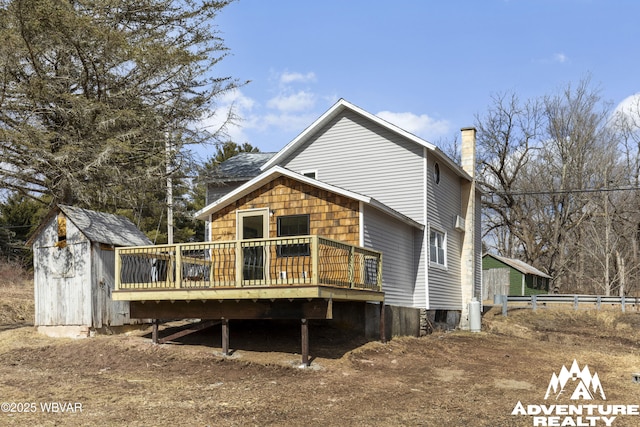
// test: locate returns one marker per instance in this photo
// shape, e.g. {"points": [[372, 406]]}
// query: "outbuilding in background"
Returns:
{"points": [[74, 267], [509, 276]]}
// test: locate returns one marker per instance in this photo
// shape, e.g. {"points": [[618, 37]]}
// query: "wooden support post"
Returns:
{"points": [[505, 300], [534, 302], [598, 302], [576, 301], [623, 303], [154, 331], [305, 341], [225, 337], [383, 332]]}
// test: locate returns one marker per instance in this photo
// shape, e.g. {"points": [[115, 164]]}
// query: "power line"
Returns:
{"points": [[571, 191]]}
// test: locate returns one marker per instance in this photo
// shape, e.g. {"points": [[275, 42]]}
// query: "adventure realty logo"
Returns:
{"points": [[577, 385]]}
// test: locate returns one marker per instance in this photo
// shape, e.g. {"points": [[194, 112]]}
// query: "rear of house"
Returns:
{"points": [[431, 244], [350, 148]]}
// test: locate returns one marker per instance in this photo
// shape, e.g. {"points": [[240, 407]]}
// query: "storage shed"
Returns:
{"points": [[524, 279], [74, 267]]}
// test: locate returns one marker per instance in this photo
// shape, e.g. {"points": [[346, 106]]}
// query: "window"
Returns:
{"points": [[310, 174], [437, 247], [436, 173], [293, 225]]}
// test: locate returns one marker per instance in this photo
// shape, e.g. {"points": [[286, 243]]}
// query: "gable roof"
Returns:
{"points": [[241, 167], [278, 171], [521, 266], [343, 105], [99, 227]]}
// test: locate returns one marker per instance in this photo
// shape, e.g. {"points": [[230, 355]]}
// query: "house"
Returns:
{"points": [[520, 278], [352, 149], [353, 211], [74, 265]]}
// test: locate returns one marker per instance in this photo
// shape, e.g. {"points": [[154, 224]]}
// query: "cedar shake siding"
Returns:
{"points": [[330, 215]]}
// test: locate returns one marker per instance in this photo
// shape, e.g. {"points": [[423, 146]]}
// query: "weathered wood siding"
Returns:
{"points": [[62, 277], [330, 215], [73, 281], [443, 204], [395, 240], [354, 153], [105, 311]]}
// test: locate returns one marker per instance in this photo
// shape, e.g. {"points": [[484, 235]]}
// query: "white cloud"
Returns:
{"points": [[288, 122], [422, 125], [560, 57], [630, 105], [288, 78], [299, 101]]}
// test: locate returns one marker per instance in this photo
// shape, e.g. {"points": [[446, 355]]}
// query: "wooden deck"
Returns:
{"points": [[306, 267], [290, 278]]}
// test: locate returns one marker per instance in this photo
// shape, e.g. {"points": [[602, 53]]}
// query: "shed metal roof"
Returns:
{"points": [[105, 228], [521, 266]]}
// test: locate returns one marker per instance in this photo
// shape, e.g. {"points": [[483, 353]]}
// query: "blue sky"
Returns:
{"points": [[427, 66]]}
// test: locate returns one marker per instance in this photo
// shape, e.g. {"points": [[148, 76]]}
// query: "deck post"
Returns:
{"points": [[239, 261], [154, 331], [315, 253], [352, 266], [178, 273], [305, 341], [225, 337], [383, 333]]}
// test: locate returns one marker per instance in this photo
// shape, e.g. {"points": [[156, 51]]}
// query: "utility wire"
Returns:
{"points": [[572, 191]]}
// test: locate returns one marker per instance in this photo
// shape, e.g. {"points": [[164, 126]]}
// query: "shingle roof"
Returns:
{"points": [[242, 166], [105, 228], [521, 266]]}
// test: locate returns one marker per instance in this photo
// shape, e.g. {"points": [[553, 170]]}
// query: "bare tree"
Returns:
{"points": [[544, 176]]}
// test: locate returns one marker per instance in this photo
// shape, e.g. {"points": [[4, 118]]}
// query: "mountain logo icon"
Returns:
{"points": [[580, 383]]}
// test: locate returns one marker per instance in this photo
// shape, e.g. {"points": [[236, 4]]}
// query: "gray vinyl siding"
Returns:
{"points": [[443, 204], [420, 253], [354, 153], [395, 240]]}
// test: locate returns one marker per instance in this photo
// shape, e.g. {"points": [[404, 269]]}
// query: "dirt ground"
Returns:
{"points": [[444, 379]]}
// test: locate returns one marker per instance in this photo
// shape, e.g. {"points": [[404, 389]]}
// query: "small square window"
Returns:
{"points": [[293, 225]]}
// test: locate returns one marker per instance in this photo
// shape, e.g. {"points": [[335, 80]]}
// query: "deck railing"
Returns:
{"points": [[295, 261]]}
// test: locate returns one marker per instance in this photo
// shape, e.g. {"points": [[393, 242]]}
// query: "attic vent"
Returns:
{"points": [[62, 231], [459, 223]]}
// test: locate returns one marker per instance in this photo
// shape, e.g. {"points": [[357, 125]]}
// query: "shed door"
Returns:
{"points": [[253, 224]]}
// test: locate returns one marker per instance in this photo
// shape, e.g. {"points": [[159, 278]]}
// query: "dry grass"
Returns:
{"points": [[444, 379], [16, 296]]}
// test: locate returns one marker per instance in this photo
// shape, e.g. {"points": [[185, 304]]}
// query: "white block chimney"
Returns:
{"points": [[468, 262]]}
